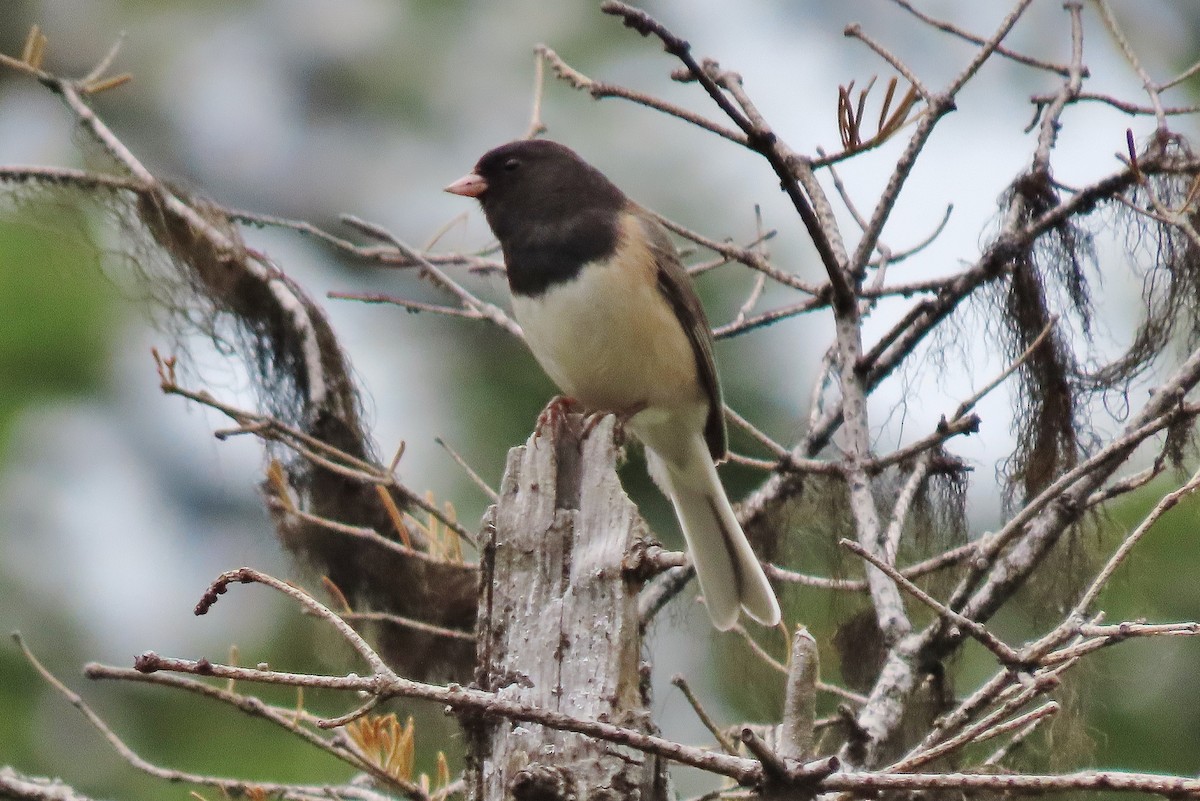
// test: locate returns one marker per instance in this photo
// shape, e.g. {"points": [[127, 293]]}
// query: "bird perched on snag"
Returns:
{"points": [[612, 316]]}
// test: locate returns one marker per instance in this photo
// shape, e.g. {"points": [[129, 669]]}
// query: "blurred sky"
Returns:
{"points": [[311, 109]]}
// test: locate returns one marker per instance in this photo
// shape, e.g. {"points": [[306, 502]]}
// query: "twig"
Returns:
{"points": [[776, 450], [536, 126], [492, 495], [758, 650], [1001, 753], [1131, 438], [902, 255], [962, 422], [749, 256], [1092, 637], [773, 767], [943, 560], [487, 311], [1180, 78], [659, 592], [17, 785], [843, 193], [384, 255], [1071, 86], [947, 27], [855, 31], [351, 716], [102, 66], [1124, 630], [679, 681], [66, 176], [900, 509], [1006, 654], [316, 450], [763, 319], [772, 316], [1045, 710], [967, 424], [765, 465], [841, 692], [246, 575], [1152, 89], [700, 268], [923, 754], [600, 90], [818, 582], [759, 137], [746, 771], [752, 298], [409, 623], [1165, 504], [1133, 109], [971, 402], [255, 707], [405, 303], [234, 787], [1016, 784]]}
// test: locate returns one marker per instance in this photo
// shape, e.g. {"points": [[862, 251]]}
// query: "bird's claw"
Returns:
{"points": [[621, 418], [555, 413]]}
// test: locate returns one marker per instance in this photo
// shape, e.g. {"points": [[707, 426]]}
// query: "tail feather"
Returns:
{"points": [[729, 572]]}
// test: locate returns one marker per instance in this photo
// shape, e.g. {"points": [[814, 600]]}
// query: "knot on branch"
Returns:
{"points": [[538, 782], [709, 68], [646, 558], [146, 662], [638, 20], [780, 773]]}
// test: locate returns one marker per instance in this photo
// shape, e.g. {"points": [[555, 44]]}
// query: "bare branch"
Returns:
{"points": [[286, 719], [487, 311], [1003, 652], [471, 474], [1152, 89], [949, 558], [759, 137], [950, 28], [1052, 115], [702, 714], [855, 31], [1165, 504], [246, 575], [409, 623], [744, 770], [600, 90], [234, 787], [536, 126]]}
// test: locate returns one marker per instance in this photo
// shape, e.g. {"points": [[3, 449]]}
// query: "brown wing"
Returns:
{"points": [[676, 286]]}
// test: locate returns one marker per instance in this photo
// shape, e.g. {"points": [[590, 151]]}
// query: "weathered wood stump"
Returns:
{"points": [[558, 624]]}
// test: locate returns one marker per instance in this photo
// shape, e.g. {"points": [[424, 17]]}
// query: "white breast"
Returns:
{"points": [[610, 340]]}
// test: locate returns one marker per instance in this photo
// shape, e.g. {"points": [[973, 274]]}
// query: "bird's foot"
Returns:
{"points": [[621, 418], [555, 412]]}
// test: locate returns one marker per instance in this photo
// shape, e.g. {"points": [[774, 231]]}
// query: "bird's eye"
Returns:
{"points": [[511, 165]]}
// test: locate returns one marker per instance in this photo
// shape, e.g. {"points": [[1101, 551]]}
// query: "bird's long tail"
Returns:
{"points": [[730, 574]]}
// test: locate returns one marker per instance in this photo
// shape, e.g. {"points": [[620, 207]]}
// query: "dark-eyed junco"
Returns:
{"points": [[611, 315]]}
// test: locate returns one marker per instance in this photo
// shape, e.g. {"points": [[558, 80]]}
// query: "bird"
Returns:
{"points": [[612, 316]]}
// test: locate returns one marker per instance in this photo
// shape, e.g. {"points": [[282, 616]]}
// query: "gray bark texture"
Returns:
{"points": [[558, 624], [20, 787]]}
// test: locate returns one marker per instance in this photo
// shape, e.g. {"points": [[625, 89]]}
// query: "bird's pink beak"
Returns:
{"points": [[470, 185]]}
